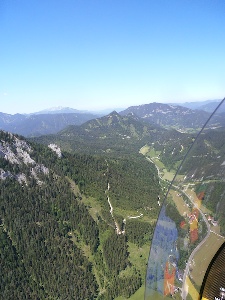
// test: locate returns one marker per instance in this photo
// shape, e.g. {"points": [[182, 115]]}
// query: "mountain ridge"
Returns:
{"points": [[169, 115], [40, 123], [59, 110]]}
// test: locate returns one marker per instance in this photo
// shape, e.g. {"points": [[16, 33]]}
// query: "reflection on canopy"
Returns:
{"points": [[191, 225]]}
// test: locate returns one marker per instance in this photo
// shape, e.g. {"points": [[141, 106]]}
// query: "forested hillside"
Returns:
{"points": [[120, 136], [68, 222]]}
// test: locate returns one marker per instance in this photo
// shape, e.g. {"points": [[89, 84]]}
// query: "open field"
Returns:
{"points": [[149, 151], [136, 296], [139, 257], [94, 207], [74, 186], [144, 150], [134, 213], [182, 207], [158, 163], [157, 296], [168, 175], [153, 155]]}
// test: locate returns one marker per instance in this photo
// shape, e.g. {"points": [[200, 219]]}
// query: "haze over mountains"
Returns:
{"points": [[208, 105], [39, 124], [59, 110], [53, 120]]}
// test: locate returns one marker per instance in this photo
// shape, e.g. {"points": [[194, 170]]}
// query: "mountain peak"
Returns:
{"points": [[114, 114], [59, 110]]}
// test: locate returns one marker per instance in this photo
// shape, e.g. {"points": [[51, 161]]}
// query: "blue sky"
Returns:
{"points": [[97, 54]]}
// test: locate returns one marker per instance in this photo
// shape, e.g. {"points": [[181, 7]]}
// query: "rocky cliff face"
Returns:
{"points": [[16, 152]]}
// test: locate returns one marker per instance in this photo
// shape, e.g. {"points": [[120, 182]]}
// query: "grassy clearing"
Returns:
{"points": [[133, 213], [159, 296], [127, 272], [92, 204], [153, 153], [125, 213], [76, 238], [74, 187], [182, 207], [158, 163], [139, 257], [168, 175], [149, 151], [177, 164], [136, 296], [94, 207], [144, 150]]}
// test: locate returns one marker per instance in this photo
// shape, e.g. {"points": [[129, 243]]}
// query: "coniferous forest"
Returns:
{"points": [[52, 245]]}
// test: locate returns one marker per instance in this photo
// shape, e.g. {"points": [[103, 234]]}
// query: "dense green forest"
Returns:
{"points": [[52, 246], [37, 221]]}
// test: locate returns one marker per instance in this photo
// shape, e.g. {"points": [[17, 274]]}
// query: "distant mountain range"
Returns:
{"points": [[168, 116], [68, 110], [39, 124], [59, 110], [56, 119], [208, 105]]}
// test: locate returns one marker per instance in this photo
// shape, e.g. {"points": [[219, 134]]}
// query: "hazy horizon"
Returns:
{"points": [[108, 109]]}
